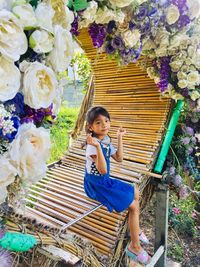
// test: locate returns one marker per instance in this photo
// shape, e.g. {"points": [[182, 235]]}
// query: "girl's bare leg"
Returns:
{"points": [[133, 222]]}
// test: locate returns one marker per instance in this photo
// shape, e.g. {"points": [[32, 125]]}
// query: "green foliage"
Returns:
{"points": [[182, 221], [60, 132], [175, 251], [77, 5], [84, 68]]}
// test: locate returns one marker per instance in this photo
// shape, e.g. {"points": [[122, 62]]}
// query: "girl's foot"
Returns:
{"points": [[143, 238], [140, 256]]}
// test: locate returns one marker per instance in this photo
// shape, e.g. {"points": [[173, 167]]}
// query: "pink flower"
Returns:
{"points": [[194, 215], [176, 211]]}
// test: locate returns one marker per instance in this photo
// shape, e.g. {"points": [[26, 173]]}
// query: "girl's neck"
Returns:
{"points": [[99, 137]]}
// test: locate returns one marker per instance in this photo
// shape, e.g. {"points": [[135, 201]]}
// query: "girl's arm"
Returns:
{"points": [[118, 156], [99, 158]]}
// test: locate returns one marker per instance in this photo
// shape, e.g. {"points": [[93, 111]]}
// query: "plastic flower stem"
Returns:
{"points": [[168, 137]]}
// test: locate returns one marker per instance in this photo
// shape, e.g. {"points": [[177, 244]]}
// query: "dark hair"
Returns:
{"points": [[92, 114]]}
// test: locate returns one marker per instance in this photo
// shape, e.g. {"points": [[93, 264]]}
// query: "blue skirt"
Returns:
{"points": [[112, 193]]}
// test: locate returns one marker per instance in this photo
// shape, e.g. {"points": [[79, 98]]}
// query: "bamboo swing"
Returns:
{"points": [[58, 202]]}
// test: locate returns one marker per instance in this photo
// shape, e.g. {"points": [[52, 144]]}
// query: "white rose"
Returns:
{"points": [[44, 14], [176, 65], [41, 41], [191, 50], [193, 77], [62, 52], [88, 14], [69, 18], [177, 39], [131, 37], [181, 75], [182, 83], [148, 44], [162, 38], [39, 85], [151, 72], [194, 8], [195, 95], [5, 4], [10, 79], [104, 15], [172, 14], [26, 15], [161, 51], [13, 41], [121, 3], [29, 151]]}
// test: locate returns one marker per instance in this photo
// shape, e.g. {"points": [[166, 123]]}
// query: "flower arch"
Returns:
{"points": [[37, 46]]}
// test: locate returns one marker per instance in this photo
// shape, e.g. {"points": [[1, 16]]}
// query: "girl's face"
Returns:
{"points": [[100, 126]]}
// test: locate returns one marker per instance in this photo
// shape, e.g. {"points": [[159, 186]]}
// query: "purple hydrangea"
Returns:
{"points": [[110, 49], [183, 21], [177, 180], [164, 73], [74, 27], [189, 130], [117, 42], [185, 140], [98, 33]]}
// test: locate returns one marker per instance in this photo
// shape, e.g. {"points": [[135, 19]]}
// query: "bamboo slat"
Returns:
{"points": [[134, 103]]}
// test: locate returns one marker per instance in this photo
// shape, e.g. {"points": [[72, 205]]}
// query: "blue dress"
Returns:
{"points": [[112, 193]]}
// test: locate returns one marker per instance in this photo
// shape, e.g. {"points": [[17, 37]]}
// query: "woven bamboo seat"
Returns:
{"points": [[134, 102]]}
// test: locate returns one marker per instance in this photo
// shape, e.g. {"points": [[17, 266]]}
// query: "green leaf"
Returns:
{"points": [[34, 3], [78, 5]]}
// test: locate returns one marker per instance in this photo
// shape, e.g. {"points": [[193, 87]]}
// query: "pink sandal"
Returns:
{"points": [[143, 238], [143, 257]]}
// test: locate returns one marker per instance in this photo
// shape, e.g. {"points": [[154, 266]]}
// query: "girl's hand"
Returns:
{"points": [[92, 141], [121, 132]]}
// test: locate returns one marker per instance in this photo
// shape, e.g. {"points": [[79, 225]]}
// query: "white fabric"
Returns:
{"points": [[91, 150]]}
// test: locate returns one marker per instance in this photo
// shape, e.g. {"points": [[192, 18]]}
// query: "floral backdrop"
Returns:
{"points": [[36, 47]]}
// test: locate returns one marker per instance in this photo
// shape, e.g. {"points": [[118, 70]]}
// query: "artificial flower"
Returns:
{"points": [[13, 41], [41, 41], [172, 14], [39, 85], [44, 14], [62, 52], [26, 15]]}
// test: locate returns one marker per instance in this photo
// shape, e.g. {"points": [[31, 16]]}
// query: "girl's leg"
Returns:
{"points": [[133, 222]]}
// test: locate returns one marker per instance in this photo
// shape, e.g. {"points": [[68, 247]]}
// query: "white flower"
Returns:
{"points": [[44, 14], [194, 8], [182, 83], [41, 41], [197, 135], [7, 176], [177, 39], [195, 95], [88, 14], [62, 52], [10, 79], [181, 75], [69, 18], [148, 44], [104, 15], [151, 72], [121, 3], [26, 15], [39, 85], [172, 14], [162, 38], [176, 65], [161, 51], [29, 151], [13, 41], [131, 37], [193, 77], [5, 4]]}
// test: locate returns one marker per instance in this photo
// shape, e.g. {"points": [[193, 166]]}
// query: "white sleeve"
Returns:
{"points": [[90, 150], [112, 149]]}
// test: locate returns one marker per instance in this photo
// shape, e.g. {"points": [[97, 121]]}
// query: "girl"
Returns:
{"points": [[112, 193]]}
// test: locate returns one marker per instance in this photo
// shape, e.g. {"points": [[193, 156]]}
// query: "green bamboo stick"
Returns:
{"points": [[168, 137]]}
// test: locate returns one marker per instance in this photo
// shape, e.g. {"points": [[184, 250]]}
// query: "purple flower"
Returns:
{"points": [[6, 259], [184, 192], [132, 25], [185, 140], [183, 21], [111, 26], [98, 33], [189, 130], [146, 28], [142, 13], [190, 150], [172, 170], [164, 73], [152, 12], [117, 42], [185, 92], [177, 180], [110, 49], [74, 27]]}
